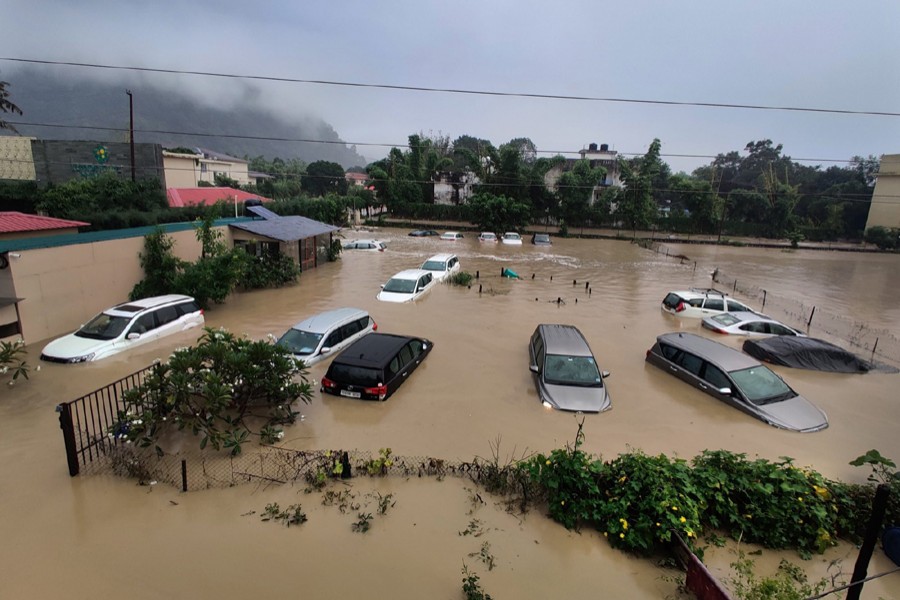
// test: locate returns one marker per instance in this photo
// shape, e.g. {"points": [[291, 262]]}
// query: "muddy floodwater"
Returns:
{"points": [[104, 537]]}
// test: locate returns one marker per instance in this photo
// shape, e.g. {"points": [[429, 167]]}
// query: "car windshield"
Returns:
{"points": [[761, 386], [300, 342], [726, 319], [542, 238], [400, 286], [435, 265], [572, 370], [352, 375], [104, 327]]}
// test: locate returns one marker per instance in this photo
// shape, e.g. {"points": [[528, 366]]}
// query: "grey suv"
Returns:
{"points": [[565, 371], [737, 379]]}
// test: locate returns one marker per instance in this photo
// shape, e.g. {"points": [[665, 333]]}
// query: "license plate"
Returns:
{"points": [[350, 394]]}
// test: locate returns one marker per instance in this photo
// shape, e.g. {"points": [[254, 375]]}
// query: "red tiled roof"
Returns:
{"points": [[207, 196], [355, 176], [14, 222]]}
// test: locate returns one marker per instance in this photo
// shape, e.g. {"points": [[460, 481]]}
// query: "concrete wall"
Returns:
{"points": [[885, 208], [58, 161], [182, 170], [15, 158], [65, 286]]}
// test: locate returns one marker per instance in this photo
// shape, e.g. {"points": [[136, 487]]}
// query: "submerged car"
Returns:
{"points": [[700, 302], [423, 233], [322, 335], [541, 239], [451, 236], [374, 366], [371, 245], [487, 236], [126, 326], [806, 353], [406, 286], [442, 265], [747, 323], [565, 371], [737, 379], [513, 238]]}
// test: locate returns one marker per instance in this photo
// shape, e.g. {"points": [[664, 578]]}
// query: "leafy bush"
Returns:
{"points": [[11, 359], [883, 237], [463, 278], [224, 389], [269, 271]]}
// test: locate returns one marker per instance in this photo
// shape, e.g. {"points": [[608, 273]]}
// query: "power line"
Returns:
{"points": [[378, 144], [455, 90]]}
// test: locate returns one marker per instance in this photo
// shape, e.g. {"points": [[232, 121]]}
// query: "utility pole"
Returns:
{"points": [[131, 131]]}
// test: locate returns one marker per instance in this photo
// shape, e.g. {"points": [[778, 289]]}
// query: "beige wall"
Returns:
{"points": [[65, 286], [16, 160], [885, 208], [182, 170]]}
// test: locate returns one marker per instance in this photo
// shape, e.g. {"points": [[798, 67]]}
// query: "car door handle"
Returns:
{"points": [[405, 373], [673, 369], [702, 387]]}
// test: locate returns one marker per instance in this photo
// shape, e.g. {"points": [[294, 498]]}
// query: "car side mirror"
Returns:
{"points": [[725, 391], [382, 286], [133, 336], [325, 350], [604, 374], [533, 368]]}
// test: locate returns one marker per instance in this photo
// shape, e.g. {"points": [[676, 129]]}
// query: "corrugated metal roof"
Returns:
{"points": [[208, 196], [285, 229], [262, 211], [16, 222]]}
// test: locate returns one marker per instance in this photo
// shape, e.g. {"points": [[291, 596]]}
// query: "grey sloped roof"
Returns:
{"points": [[283, 229]]}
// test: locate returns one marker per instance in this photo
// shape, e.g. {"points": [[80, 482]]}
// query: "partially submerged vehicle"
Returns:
{"points": [[806, 353]]}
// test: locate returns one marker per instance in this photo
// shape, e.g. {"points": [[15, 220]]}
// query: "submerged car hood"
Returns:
{"points": [[797, 414], [73, 346], [576, 397], [394, 296]]}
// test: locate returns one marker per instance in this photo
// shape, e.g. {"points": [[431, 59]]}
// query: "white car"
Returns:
{"points": [[747, 323], [451, 236], [371, 245], [442, 265], [323, 335], [512, 238], [125, 326], [487, 236], [699, 303], [406, 286]]}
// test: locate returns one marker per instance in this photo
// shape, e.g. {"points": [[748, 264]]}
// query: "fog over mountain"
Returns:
{"points": [[169, 116]]}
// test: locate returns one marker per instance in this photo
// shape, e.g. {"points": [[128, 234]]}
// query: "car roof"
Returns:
{"points": [[411, 274], [744, 316], [442, 257], [564, 339], [324, 321], [135, 306], [488, 233], [699, 293], [450, 232], [372, 350], [510, 233], [721, 355], [374, 241]]}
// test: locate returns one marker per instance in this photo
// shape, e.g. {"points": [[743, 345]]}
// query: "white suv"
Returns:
{"points": [[701, 302]]}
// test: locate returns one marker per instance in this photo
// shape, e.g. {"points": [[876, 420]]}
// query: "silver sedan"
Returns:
{"points": [[748, 323]]}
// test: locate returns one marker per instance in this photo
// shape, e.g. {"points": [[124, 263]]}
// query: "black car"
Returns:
{"points": [[424, 233], [374, 366], [541, 239]]}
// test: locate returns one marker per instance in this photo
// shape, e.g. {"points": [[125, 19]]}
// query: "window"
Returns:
{"points": [[714, 304], [394, 367], [144, 323], [690, 363], [734, 305], [186, 308], [334, 338], [166, 314], [755, 327], [406, 355], [716, 377], [416, 346]]}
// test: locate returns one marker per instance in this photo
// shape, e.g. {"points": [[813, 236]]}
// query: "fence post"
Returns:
{"points": [[68, 429], [183, 475], [875, 347], [734, 288], [764, 300], [808, 323], [879, 505]]}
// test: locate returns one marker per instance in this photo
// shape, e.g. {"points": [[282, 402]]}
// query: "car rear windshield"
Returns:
{"points": [[400, 286], [103, 327], [353, 375], [672, 300], [300, 342], [435, 265], [725, 319], [572, 370], [761, 386]]}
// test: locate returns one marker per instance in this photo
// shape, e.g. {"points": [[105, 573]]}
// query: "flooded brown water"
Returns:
{"points": [[105, 537]]}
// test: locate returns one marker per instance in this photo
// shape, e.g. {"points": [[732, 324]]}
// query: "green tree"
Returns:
{"points": [[637, 208], [575, 190], [697, 196], [323, 177], [7, 106], [498, 213]]}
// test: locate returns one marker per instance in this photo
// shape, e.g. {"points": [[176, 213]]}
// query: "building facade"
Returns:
{"points": [[885, 208]]}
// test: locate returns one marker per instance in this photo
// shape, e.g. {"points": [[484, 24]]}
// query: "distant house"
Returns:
{"points": [[454, 187], [884, 211], [356, 179], [596, 156], [208, 196], [183, 169], [305, 240]]}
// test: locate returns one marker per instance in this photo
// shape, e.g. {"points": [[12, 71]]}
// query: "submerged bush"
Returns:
{"points": [[463, 278]]}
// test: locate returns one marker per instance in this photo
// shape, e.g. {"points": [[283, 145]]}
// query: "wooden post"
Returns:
{"points": [[879, 505], [183, 475], [808, 323], [764, 300]]}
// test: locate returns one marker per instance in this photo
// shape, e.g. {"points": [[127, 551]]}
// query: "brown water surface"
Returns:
{"points": [[104, 537]]}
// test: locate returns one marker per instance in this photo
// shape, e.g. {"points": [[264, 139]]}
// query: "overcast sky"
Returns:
{"points": [[824, 54]]}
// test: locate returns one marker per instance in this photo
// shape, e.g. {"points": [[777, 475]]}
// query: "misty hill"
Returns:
{"points": [[46, 99]]}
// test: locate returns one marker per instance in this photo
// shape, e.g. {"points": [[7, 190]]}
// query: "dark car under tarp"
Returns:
{"points": [[806, 353]]}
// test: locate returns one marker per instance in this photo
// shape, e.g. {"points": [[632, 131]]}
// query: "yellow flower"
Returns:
{"points": [[799, 499], [548, 461], [690, 533], [657, 524], [562, 503], [605, 534], [622, 479], [624, 524], [621, 535], [674, 508], [682, 519]]}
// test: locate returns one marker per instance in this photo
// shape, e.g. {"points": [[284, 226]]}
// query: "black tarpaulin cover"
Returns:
{"points": [[805, 353]]}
